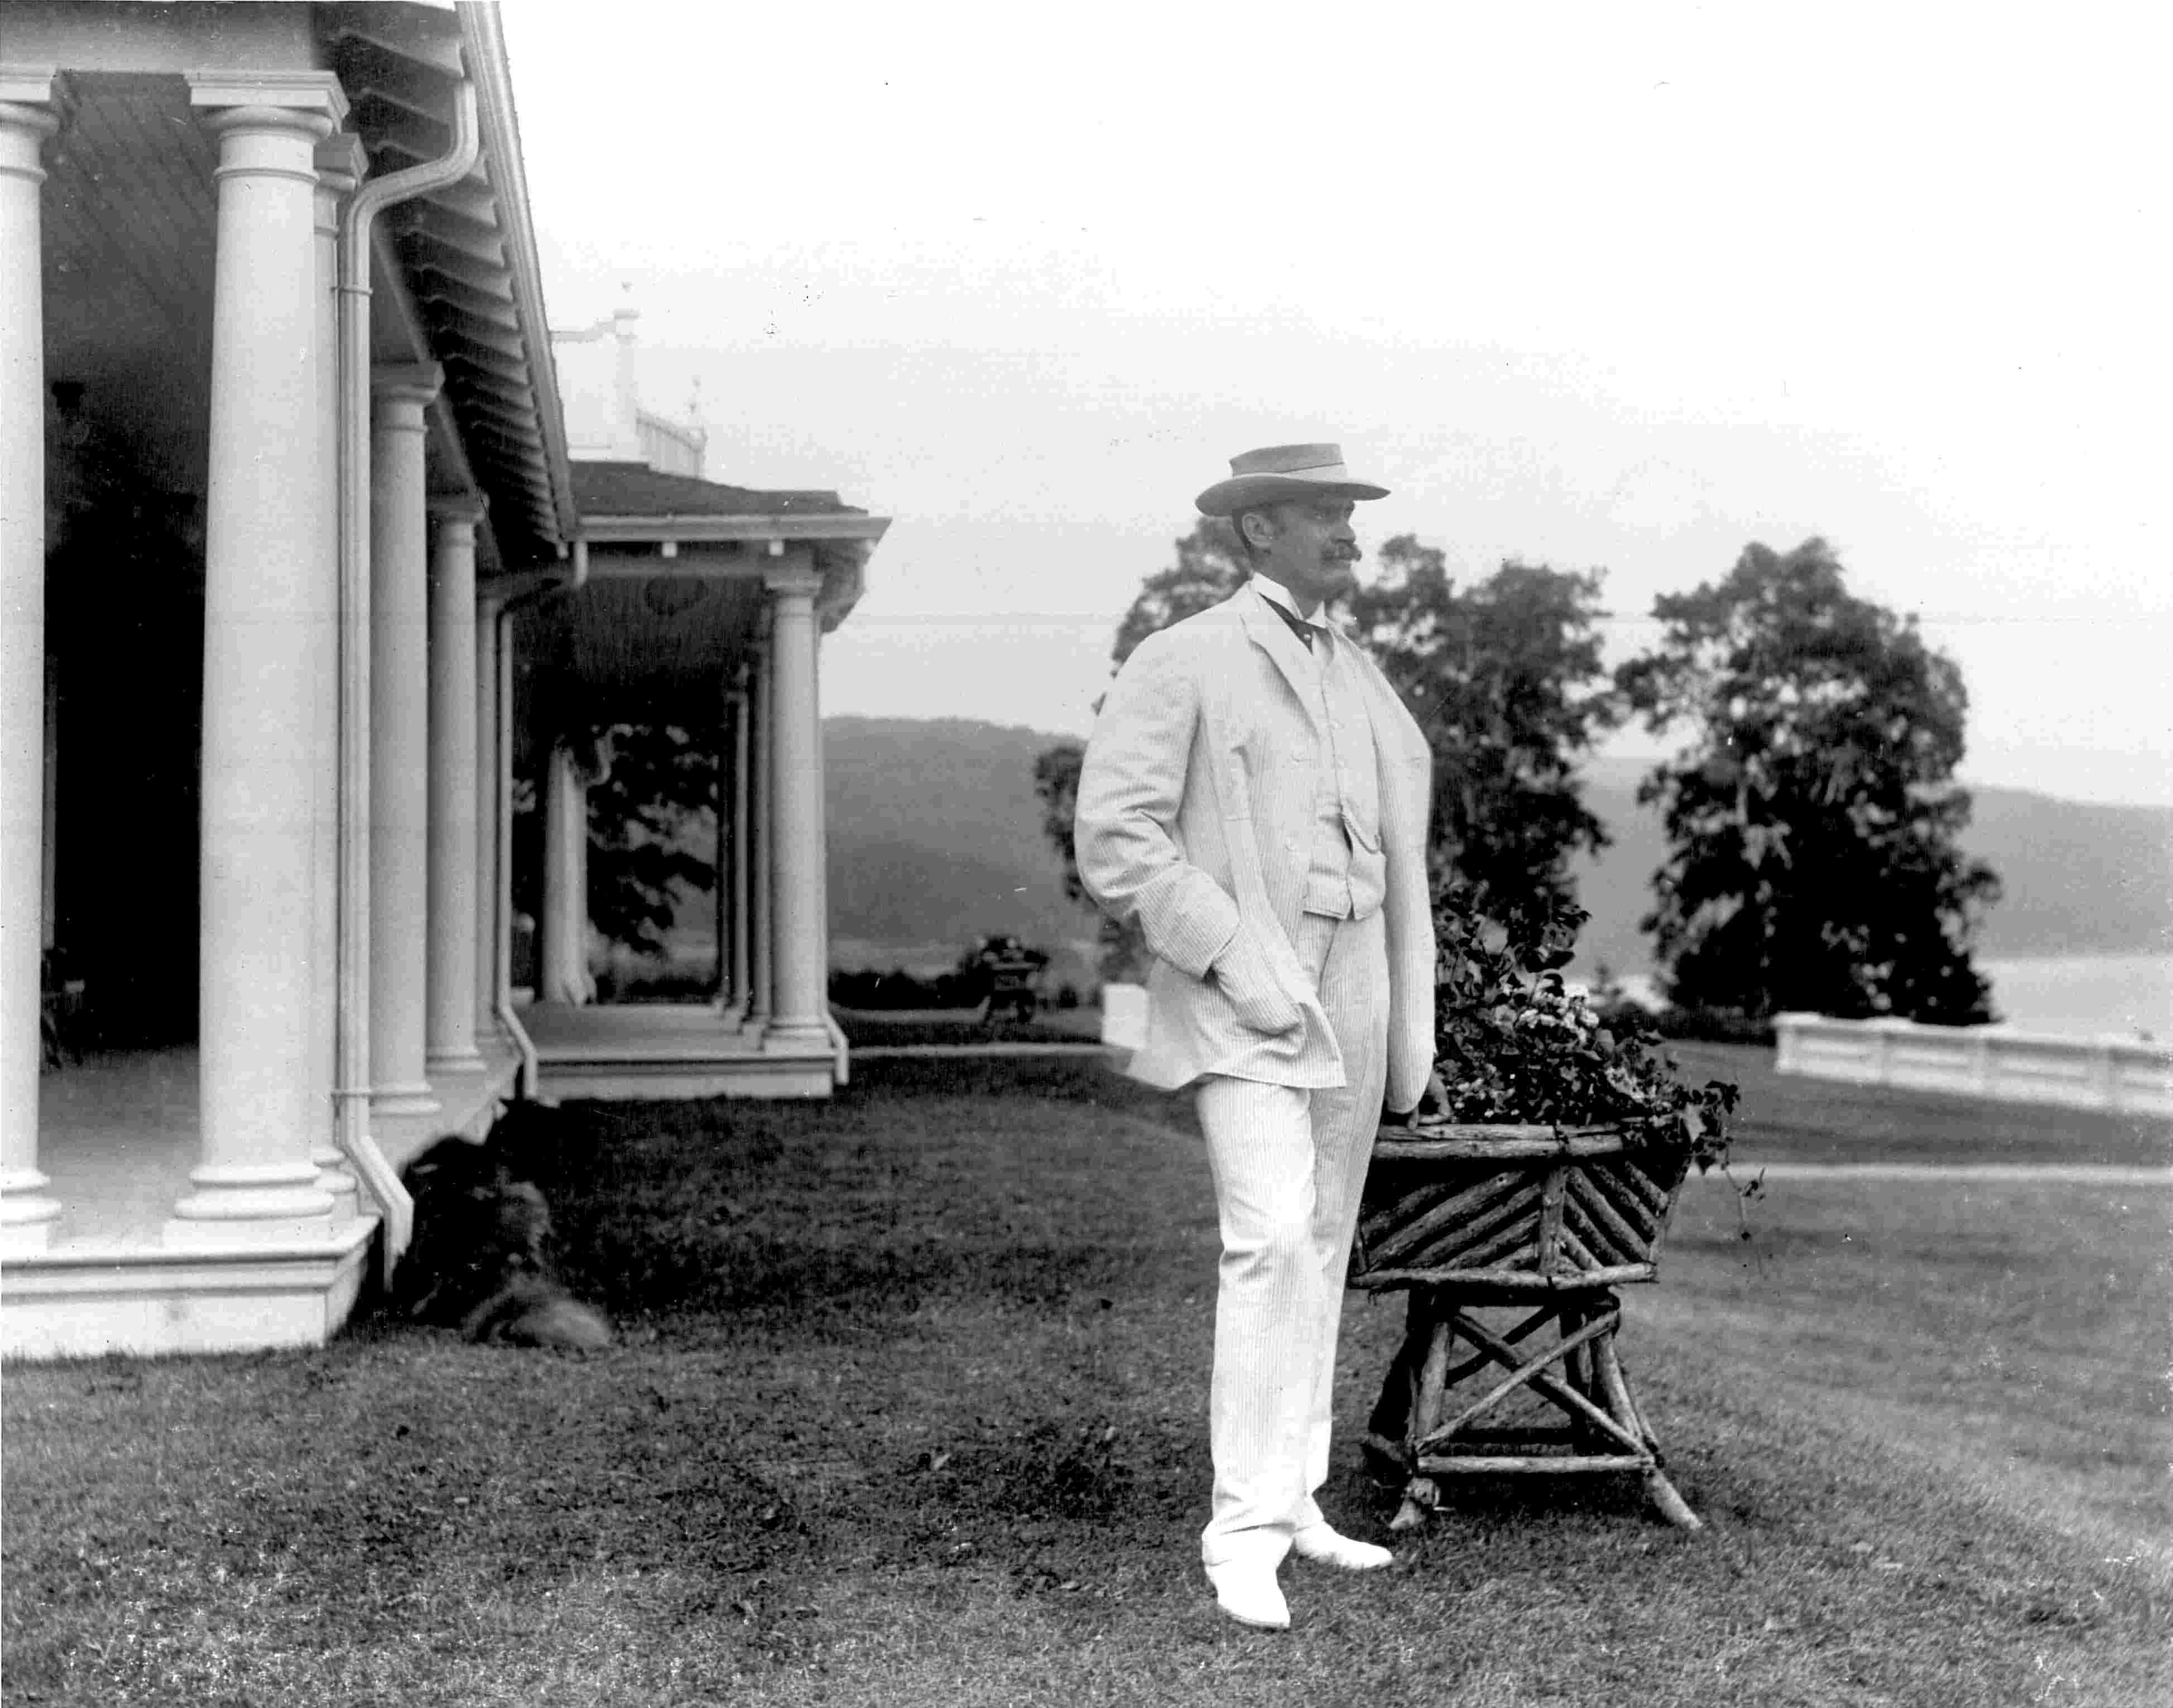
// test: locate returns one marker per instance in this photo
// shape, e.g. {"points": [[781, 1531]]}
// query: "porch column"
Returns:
{"points": [[340, 166], [797, 1021], [736, 825], [487, 882], [760, 839], [562, 951], [727, 859], [822, 836], [263, 554], [449, 977], [49, 905], [742, 845], [26, 120], [399, 729], [500, 975]]}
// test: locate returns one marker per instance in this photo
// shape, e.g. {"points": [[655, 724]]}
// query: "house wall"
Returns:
{"points": [[599, 393], [590, 392], [169, 279]]}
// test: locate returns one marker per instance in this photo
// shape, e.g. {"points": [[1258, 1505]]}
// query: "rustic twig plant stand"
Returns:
{"points": [[1544, 1223]]}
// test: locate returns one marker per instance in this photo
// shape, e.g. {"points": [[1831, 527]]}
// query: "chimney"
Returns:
{"points": [[626, 431]]}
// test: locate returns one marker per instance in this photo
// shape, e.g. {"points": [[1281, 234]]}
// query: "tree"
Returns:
{"points": [[1211, 566], [640, 816], [1056, 781], [1813, 820], [1504, 677]]}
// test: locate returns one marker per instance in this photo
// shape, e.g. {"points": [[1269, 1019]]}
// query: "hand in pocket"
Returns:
{"points": [[1243, 974]]}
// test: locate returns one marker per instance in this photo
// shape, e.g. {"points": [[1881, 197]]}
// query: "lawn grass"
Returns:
{"points": [[910, 1407], [2016, 1333]]}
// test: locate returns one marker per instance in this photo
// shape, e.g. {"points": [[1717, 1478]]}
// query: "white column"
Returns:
{"points": [[501, 969], [761, 841], [450, 975], [576, 935], [339, 167], [263, 554], [399, 731], [821, 834], [563, 929], [49, 892], [489, 885], [26, 1214], [798, 999], [721, 819], [741, 851]]}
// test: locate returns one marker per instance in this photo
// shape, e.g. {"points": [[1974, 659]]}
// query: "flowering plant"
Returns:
{"points": [[1514, 1042]]}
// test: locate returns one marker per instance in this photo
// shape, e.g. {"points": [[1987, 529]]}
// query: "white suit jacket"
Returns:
{"points": [[1195, 816]]}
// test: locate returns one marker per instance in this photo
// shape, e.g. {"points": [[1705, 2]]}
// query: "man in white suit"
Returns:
{"points": [[1256, 796]]}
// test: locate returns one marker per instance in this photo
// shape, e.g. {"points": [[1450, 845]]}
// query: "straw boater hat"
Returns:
{"points": [[1282, 471]]}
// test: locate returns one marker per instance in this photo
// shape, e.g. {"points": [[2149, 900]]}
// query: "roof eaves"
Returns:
{"points": [[848, 524], [483, 43]]}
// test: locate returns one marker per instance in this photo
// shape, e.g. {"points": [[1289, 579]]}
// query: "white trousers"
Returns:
{"points": [[1289, 1165]]}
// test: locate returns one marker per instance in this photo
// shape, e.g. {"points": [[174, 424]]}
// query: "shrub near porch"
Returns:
{"points": [[912, 1408]]}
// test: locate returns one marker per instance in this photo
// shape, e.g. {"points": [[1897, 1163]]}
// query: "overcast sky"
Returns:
{"points": [[1616, 287]]}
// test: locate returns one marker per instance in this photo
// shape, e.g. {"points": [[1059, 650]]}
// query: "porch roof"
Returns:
{"points": [[668, 590], [620, 493], [636, 521]]}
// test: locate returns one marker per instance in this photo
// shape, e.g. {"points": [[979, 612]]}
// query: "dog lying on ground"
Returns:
{"points": [[480, 1257]]}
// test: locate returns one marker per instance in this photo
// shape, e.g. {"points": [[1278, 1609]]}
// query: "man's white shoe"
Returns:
{"points": [[1327, 1546], [1247, 1591]]}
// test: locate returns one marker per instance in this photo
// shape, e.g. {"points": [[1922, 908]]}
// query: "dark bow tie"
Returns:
{"points": [[1298, 626]]}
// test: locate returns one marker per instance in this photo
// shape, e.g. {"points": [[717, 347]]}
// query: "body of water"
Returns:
{"points": [[2085, 994], [2073, 995]]}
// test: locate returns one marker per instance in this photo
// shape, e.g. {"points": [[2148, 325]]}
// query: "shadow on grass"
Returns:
{"points": [[727, 1235], [865, 1208]]}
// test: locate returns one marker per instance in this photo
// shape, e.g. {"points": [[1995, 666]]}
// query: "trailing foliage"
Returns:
{"points": [[1513, 1042], [1814, 819]]}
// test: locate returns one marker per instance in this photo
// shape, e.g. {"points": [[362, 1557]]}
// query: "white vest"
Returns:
{"points": [[1346, 874]]}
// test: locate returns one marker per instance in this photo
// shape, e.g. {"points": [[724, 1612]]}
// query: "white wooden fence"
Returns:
{"points": [[2121, 1074], [1124, 1015]]}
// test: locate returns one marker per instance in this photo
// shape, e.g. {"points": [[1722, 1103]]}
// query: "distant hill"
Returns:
{"points": [[2078, 879], [2081, 879], [935, 842]]}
